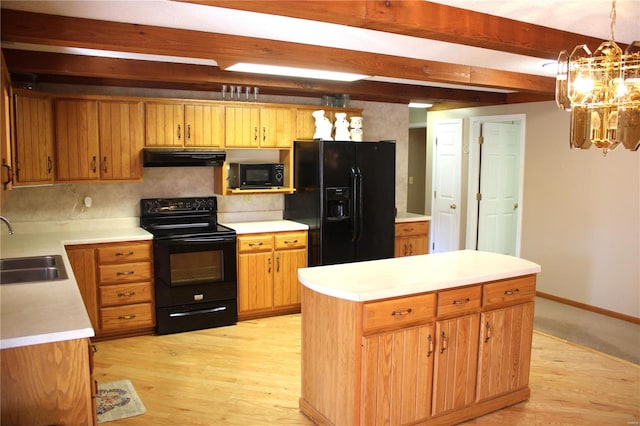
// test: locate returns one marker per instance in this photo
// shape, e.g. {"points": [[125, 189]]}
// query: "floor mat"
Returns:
{"points": [[118, 400]]}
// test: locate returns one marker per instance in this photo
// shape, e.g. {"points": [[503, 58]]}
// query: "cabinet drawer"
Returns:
{"points": [[398, 312], [515, 290], [459, 301], [255, 243], [291, 240], [128, 316], [125, 253], [405, 229], [125, 294], [127, 272]]}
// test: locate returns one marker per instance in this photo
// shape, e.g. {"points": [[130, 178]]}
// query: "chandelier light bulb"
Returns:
{"points": [[602, 91]]}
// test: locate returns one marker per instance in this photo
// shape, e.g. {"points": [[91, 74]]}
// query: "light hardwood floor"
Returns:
{"points": [[249, 374]]}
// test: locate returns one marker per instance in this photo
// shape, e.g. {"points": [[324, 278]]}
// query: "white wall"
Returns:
{"points": [[581, 211]]}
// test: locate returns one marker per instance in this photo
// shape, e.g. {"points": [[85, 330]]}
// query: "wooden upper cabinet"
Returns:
{"points": [[196, 125], [277, 127], [77, 140], [6, 175], [205, 125], [164, 124], [34, 136], [242, 127], [260, 127], [121, 140]]}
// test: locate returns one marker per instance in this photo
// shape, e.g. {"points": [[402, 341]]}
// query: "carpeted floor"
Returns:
{"points": [[600, 332]]}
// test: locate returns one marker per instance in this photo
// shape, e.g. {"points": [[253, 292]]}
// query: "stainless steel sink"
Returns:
{"points": [[32, 269]]}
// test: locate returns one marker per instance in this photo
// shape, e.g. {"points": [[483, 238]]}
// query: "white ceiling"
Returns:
{"points": [[588, 17]]}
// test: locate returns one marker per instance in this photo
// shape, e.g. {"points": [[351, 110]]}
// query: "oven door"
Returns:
{"points": [[195, 270]]}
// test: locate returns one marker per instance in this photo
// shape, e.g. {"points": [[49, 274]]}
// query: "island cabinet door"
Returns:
{"points": [[455, 363], [397, 375], [505, 350]]}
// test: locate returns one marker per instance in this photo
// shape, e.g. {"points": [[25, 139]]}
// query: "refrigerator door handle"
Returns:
{"points": [[354, 204], [360, 210]]}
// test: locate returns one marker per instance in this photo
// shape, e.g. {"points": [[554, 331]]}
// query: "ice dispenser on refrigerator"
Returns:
{"points": [[337, 199]]}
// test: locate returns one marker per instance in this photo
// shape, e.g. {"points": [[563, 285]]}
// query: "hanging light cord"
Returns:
{"points": [[613, 19]]}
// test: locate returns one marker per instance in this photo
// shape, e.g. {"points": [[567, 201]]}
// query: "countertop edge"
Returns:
{"points": [[259, 227], [434, 276], [37, 339]]}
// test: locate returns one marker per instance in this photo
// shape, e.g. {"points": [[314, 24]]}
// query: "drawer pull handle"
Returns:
{"points": [[510, 292], [124, 273], [290, 241], [127, 294], [255, 244], [430, 351], [129, 253], [443, 347], [408, 229], [126, 317], [401, 313], [461, 302]]}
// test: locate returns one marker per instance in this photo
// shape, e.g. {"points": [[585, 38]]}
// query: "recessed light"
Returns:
{"points": [[419, 105], [295, 72]]}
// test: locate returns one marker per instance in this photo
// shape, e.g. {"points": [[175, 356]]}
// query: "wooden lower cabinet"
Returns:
{"points": [[397, 375], [116, 283], [268, 273], [431, 358], [455, 365], [505, 350], [412, 238], [47, 384]]}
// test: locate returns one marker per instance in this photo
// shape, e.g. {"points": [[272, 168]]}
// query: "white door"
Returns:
{"points": [[496, 175], [499, 187], [447, 168]]}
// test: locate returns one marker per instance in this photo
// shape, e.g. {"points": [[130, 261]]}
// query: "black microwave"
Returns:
{"points": [[255, 175]]}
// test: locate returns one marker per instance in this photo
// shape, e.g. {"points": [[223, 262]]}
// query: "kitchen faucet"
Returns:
{"points": [[6, 221]]}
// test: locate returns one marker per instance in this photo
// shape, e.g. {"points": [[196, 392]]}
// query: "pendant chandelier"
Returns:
{"points": [[602, 91]]}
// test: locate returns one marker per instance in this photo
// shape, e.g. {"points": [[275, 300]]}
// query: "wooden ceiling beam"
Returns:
{"points": [[201, 77], [423, 19], [63, 31]]}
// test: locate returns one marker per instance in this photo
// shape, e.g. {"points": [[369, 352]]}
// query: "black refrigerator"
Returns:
{"points": [[345, 193]]}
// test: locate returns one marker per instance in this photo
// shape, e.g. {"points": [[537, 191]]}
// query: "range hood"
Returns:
{"points": [[169, 157]]}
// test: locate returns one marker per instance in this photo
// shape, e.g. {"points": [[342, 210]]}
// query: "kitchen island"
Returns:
{"points": [[429, 339]]}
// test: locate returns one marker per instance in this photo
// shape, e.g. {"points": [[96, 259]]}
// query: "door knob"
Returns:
{"points": [[515, 206], [453, 206]]}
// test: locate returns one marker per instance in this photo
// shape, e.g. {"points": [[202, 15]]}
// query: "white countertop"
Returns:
{"points": [[46, 312], [400, 276], [411, 217], [266, 226]]}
